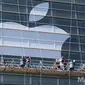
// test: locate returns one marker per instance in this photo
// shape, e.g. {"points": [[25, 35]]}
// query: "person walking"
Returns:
{"points": [[22, 62], [28, 61]]}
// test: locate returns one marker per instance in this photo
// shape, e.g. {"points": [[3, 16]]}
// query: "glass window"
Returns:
{"points": [[74, 47], [74, 39], [65, 46], [73, 7], [12, 50], [49, 12], [63, 82], [31, 52], [49, 81], [46, 44], [30, 35], [83, 47], [0, 0], [11, 33], [12, 42], [29, 2], [61, 6], [23, 17], [74, 30], [33, 43], [75, 82], [58, 45], [0, 41], [61, 21], [61, 13], [25, 42], [13, 79], [74, 22], [46, 20], [81, 15], [50, 54], [65, 28], [10, 16], [39, 11], [0, 32], [36, 2], [80, 1], [29, 9], [81, 23], [10, 1], [7, 7], [24, 23], [23, 9], [81, 8], [0, 17], [35, 80], [74, 15], [75, 56], [83, 57], [82, 39], [65, 54], [37, 18], [82, 31], [0, 7], [53, 37], [22, 2]]}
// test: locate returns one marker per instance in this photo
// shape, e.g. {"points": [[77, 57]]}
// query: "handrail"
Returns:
{"points": [[35, 64]]}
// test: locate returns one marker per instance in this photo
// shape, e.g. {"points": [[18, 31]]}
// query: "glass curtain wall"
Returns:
{"points": [[37, 28]]}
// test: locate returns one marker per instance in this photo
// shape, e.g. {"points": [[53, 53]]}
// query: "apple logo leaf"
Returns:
{"points": [[38, 12]]}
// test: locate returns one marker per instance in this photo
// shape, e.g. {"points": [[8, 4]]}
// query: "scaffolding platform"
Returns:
{"points": [[15, 71]]}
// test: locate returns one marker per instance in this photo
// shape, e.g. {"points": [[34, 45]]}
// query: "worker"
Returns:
{"points": [[22, 62], [27, 61]]}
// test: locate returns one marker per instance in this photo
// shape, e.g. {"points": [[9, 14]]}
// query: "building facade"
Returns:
{"points": [[43, 29]]}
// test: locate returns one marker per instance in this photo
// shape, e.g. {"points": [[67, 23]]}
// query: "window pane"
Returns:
{"points": [[53, 37], [82, 31], [23, 9], [61, 6], [65, 28], [83, 47], [11, 8], [22, 2], [65, 46], [81, 8], [81, 15], [74, 39], [46, 44], [61, 13], [10, 1], [12, 42], [82, 39], [46, 20], [74, 47], [75, 55], [61, 21], [31, 35], [33, 43], [0, 7], [11, 33], [10, 16], [23, 17], [81, 23], [74, 30]]}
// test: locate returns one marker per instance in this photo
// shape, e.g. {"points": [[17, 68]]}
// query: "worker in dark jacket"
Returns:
{"points": [[22, 62], [27, 61]]}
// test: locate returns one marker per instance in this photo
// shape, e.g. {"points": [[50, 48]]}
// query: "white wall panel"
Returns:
{"points": [[12, 42]]}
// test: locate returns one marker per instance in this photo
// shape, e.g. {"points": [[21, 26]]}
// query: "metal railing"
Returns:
{"points": [[35, 64]]}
